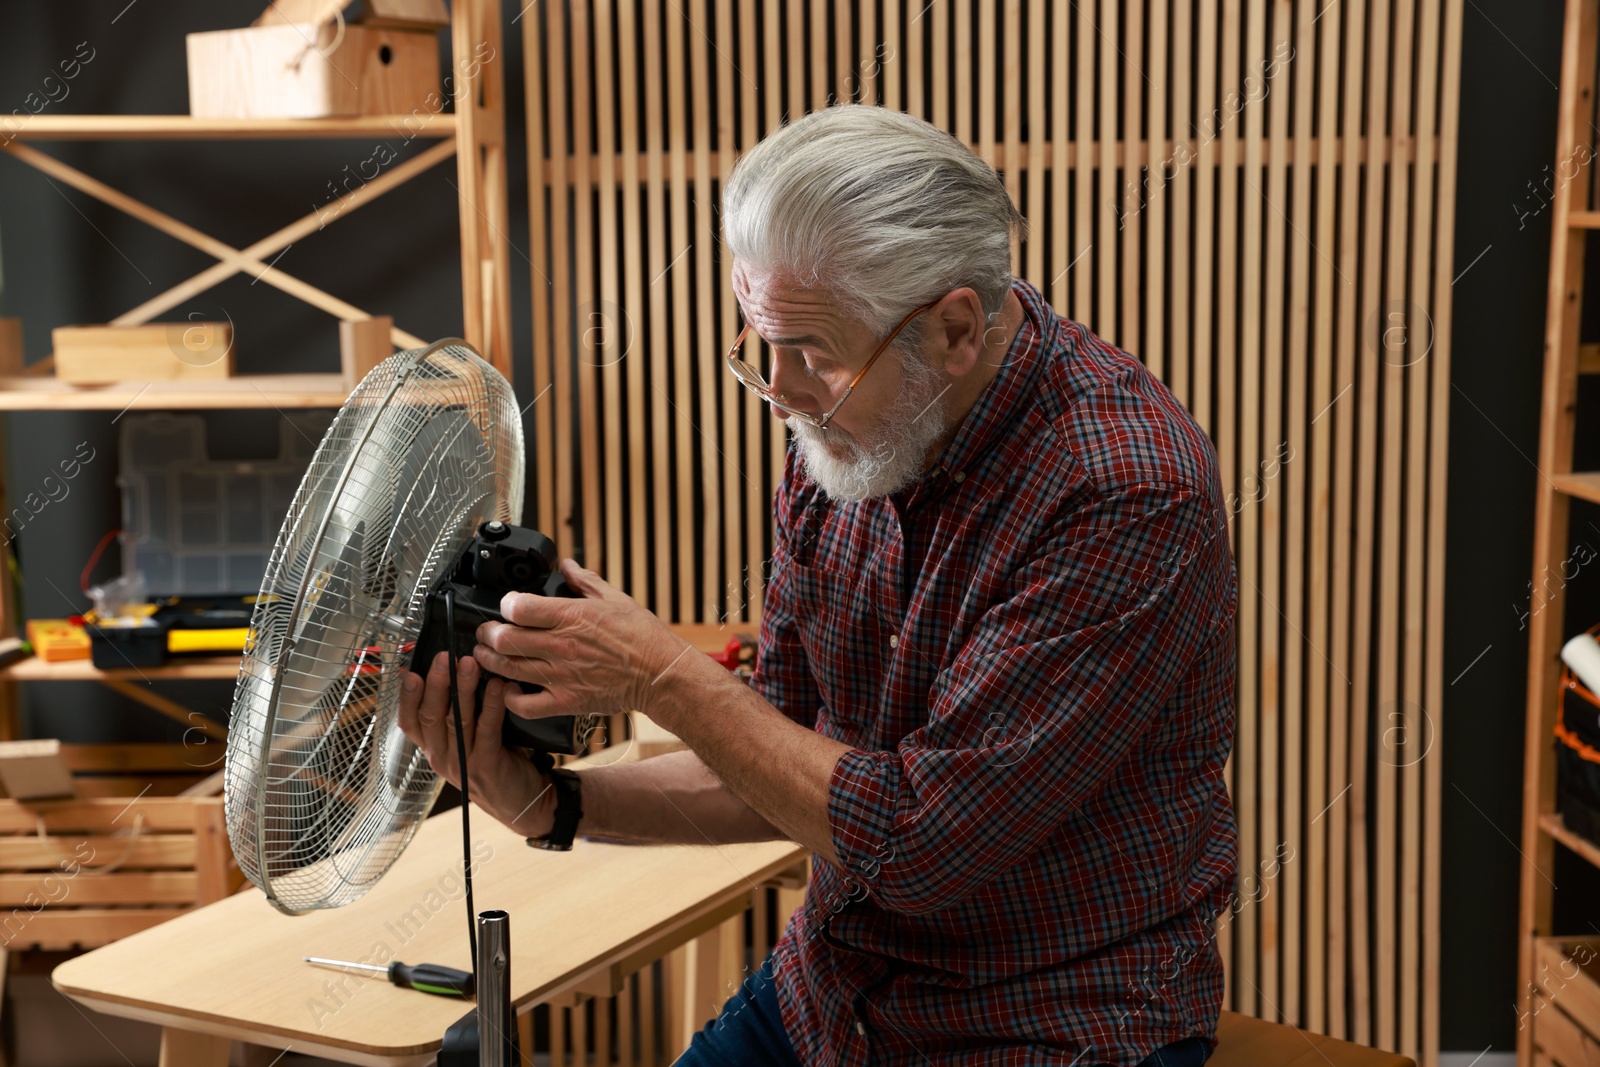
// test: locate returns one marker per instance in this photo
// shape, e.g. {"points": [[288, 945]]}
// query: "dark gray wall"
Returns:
{"points": [[68, 260]]}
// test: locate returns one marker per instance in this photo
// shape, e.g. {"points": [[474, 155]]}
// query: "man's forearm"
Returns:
{"points": [[778, 767], [668, 799]]}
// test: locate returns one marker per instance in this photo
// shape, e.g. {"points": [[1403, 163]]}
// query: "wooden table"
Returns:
{"points": [[579, 921]]}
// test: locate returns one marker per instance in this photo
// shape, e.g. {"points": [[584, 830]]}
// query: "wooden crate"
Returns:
{"points": [[277, 72], [1566, 1002], [156, 352], [120, 857]]}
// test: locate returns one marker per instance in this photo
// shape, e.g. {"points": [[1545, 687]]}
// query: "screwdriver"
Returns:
{"points": [[427, 977]]}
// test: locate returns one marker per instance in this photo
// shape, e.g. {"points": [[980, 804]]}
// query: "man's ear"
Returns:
{"points": [[955, 326]]}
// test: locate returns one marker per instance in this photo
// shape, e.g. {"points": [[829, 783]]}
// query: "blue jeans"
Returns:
{"points": [[749, 1033]]}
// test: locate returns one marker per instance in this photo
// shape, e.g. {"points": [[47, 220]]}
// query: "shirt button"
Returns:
{"points": [[894, 641], [958, 477], [861, 1028]]}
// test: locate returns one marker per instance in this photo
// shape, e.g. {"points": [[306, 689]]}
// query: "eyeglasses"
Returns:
{"points": [[752, 378]]}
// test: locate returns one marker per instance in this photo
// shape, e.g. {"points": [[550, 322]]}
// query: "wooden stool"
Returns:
{"points": [[1243, 1041]]}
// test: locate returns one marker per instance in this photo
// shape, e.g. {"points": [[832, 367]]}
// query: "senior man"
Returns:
{"points": [[994, 692]]}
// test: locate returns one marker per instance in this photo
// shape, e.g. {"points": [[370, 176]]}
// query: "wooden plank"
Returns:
{"points": [[1037, 146], [616, 89], [149, 850], [649, 379], [563, 213], [590, 91], [1011, 101], [738, 403], [184, 1048], [155, 814], [1558, 401], [465, 32], [1082, 177], [1383, 525], [965, 98], [1104, 322], [120, 887], [707, 338], [1060, 132], [1281, 503], [894, 53], [541, 217], [1444, 264], [189, 128], [1256, 939], [1153, 203], [1418, 736], [1318, 792], [679, 500], [1175, 192], [1132, 163]]}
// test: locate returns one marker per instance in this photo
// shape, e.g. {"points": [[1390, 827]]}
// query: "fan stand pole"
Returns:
{"points": [[487, 1036], [497, 1026]]}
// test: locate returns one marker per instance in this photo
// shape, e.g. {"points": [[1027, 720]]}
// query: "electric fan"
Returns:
{"points": [[423, 463]]}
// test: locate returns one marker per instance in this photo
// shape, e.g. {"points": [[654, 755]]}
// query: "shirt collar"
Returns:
{"points": [[998, 405]]}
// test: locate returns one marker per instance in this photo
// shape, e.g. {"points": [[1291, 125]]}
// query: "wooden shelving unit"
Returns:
{"points": [[1558, 1012], [39, 393], [473, 135]]}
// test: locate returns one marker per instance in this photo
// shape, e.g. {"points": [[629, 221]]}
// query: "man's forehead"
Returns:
{"points": [[760, 286]]}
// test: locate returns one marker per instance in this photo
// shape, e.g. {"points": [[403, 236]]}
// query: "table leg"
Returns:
{"points": [[185, 1048]]}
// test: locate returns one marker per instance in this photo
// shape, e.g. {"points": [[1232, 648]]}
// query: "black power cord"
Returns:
{"points": [[461, 757]]}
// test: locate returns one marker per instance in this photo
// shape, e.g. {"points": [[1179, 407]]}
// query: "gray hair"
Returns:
{"points": [[879, 209]]}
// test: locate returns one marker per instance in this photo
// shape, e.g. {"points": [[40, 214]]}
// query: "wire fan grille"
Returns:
{"points": [[323, 791]]}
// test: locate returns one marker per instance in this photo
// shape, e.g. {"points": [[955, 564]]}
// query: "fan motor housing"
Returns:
{"points": [[502, 558]]}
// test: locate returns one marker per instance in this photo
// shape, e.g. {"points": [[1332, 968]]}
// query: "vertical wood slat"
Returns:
{"points": [[1192, 289], [628, 437], [707, 339], [1361, 903], [1256, 945], [1317, 869], [1292, 21], [1439, 368], [1038, 139], [1241, 303], [542, 441], [678, 502], [1348, 745], [1412, 411], [655, 452], [1132, 134]]}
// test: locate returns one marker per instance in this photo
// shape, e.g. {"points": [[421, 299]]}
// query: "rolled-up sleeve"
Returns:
{"points": [[1059, 678]]}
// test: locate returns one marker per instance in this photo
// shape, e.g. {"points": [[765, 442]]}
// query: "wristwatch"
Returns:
{"points": [[569, 806]]}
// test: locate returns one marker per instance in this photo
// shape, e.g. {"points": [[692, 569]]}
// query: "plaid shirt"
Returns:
{"points": [[1031, 652]]}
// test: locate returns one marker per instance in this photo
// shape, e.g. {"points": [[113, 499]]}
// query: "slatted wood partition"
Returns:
{"points": [[1256, 198]]}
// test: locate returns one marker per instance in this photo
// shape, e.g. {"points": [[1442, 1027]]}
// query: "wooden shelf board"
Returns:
{"points": [[1584, 485], [187, 127], [38, 393], [1556, 827], [709, 637], [34, 669], [1584, 220]]}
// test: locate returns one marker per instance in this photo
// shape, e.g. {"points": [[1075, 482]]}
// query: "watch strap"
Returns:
{"points": [[569, 805]]}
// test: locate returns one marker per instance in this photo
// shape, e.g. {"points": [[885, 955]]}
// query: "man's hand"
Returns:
{"points": [[502, 781], [600, 655]]}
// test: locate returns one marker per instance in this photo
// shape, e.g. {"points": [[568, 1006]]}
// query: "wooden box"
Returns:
{"points": [[1566, 1004], [160, 351], [312, 70]]}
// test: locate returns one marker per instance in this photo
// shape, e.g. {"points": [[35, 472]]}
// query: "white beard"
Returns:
{"points": [[890, 455]]}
